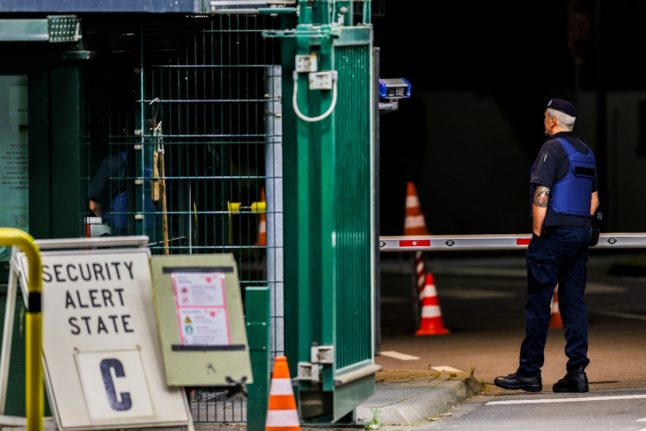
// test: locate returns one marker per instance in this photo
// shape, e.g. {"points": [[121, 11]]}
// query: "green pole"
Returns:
{"points": [[257, 311]]}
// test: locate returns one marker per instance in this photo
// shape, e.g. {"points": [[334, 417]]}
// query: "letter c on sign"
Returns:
{"points": [[125, 403]]}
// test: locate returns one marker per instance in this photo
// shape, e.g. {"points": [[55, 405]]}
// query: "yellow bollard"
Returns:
{"points": [[34, 397]]}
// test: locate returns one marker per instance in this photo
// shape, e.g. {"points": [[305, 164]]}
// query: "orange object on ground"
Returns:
{"points": [[414, 223], [431, 322], [282, 414]]}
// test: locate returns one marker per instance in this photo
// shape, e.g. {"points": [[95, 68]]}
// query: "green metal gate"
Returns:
{"points": [[329, 182]]}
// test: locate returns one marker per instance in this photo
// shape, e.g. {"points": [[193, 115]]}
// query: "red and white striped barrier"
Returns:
{"points": [[494, 242]]}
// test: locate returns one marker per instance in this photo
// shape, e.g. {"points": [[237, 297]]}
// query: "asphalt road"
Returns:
{"points": [[601, 411], [482, 302]]}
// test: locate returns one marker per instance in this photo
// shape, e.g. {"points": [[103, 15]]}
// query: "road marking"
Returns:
{"points": [[619, 314], [400, 356], [641, 420], [447, 369], [567, 400]]}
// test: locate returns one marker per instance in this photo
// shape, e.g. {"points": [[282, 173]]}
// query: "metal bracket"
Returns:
{"points": [[309, 372], [322, 354], [238, 389]]}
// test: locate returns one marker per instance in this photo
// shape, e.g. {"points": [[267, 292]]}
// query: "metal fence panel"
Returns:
{"points": [[193, 113]]}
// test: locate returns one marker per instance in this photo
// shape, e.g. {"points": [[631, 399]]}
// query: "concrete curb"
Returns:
{"points": [[402, 404]]}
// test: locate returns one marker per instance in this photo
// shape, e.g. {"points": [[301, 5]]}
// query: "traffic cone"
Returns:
{"points": [[414, 225], [431, 323], [262, 224], [281, 410], [555, 318]]}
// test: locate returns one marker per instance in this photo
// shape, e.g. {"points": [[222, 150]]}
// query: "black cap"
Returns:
{"points": [[563, 106]]}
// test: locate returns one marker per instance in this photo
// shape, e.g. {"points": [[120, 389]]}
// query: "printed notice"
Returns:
{"points": [[200, 302]]}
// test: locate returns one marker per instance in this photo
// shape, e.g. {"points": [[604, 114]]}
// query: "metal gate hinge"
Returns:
{"points": [[322, 354], [139, 182], [309, 372], [139, 217]]}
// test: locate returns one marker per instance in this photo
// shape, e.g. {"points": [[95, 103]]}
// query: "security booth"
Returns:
{"points": [[191, 122]]}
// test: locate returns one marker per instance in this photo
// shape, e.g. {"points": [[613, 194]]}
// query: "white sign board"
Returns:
{"points": [[100, 344]]}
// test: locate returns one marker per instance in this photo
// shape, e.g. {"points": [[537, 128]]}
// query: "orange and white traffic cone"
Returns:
{"points": [[262, 224], [282, 414], [414, 224], [555, 318], [431, 323]]}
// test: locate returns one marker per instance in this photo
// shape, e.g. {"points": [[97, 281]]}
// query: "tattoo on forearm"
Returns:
{"points": [[541, 196]]}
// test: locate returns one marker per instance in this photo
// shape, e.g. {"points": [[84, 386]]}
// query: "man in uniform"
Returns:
{"points": [[563, 188]]}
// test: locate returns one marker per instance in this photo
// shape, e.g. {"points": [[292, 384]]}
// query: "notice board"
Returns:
{"points": [[201, 321], [14, 167], [102, 358]]}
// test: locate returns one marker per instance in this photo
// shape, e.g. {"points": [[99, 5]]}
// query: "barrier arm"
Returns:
{"points": [[495, 242], [34, 395]]}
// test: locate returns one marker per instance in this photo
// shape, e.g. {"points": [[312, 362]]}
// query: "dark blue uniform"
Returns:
{"points": [[566, 166]]}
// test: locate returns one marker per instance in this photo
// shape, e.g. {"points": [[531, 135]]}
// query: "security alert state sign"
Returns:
{"points": [[101, 348]]}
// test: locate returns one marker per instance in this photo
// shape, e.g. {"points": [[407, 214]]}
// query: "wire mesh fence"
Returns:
{"points": [[188, 112]]}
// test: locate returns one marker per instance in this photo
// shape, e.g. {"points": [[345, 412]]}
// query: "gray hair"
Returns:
{"points": [[562, 118]]}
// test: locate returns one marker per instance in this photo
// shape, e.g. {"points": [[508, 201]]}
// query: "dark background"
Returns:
{"points": [[481, 74]]}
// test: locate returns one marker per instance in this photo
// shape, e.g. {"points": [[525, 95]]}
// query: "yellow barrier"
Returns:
{"points": [[255, 207], [34, 397]]}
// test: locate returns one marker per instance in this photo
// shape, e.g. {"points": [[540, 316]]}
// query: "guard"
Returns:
{"points": [[563, 187]]}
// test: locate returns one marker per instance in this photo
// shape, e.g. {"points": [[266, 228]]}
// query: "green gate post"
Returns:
{"points": [[257, 306], [329, 215]]}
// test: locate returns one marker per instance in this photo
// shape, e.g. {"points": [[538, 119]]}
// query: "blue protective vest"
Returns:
{"points": [[572, 194]]}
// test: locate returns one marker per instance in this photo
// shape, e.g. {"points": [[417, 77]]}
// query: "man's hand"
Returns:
{"points": [[539, 209], [95, 207]]}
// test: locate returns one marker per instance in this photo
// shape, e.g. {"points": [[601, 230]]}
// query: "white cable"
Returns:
{"points": [[305, 117]]}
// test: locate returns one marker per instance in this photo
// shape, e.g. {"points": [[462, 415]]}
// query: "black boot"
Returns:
{"points": [[574, 381], [516, 381]]}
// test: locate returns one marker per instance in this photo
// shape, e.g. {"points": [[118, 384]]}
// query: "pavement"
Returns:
{"points": [[402, 397], [407, 397]]}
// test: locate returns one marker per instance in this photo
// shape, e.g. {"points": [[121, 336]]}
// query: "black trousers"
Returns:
{"points": [[557, 256]]}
